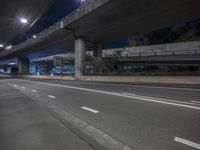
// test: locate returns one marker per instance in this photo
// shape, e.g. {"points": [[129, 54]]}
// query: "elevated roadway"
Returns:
{"points": [[10, 13], [107, 20], [100, 21]]}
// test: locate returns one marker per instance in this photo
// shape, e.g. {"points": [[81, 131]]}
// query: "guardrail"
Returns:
{"points": [[131, 54], [145, 54]]}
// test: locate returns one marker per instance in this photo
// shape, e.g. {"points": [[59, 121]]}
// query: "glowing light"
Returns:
{"points": [[34, 36], [8, 47], [12, 63], [1, 45], [24, 21]]}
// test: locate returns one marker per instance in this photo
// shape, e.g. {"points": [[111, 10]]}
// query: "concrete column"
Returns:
{"points": [[23, 66], [79, 57], [98, 50]]}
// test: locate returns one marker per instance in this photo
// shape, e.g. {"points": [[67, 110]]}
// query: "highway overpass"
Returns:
{"points": [[101, 21], [182, 53]]}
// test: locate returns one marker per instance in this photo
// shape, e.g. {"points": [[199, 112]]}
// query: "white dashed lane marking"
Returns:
{"points": [[51, 96], [143, 98], [90, 109]]}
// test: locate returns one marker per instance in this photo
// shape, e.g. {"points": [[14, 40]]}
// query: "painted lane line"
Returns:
{"points": [[23, 87], [51, 96], [197, 102], [131, 94], [119, 94], [163, 99], [34, 91], [90, 109], [140, 86], [186, 142], [92, 133]]}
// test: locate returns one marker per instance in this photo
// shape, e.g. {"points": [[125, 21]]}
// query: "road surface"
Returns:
{"points": [[101, 116]]}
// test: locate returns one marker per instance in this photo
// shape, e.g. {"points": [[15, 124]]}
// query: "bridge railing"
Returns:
{"points": [[146, 54]]}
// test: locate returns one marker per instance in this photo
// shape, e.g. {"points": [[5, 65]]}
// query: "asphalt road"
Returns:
{"points": [[136, 117]]}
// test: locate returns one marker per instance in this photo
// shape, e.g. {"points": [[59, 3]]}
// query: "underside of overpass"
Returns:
{"points": [[11, 12], [108, 20], [102, 21]]}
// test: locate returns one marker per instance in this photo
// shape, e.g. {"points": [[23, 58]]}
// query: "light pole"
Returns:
{"points": [[24, 21]]}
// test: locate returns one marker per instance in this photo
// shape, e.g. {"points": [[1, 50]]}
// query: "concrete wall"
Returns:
{"points": [[128, 79], [144, 79], [48, 77]]}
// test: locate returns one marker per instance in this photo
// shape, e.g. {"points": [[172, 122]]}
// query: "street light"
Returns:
{"points": [[24, 21], [12, 63], [1, 45], [34, 36]]}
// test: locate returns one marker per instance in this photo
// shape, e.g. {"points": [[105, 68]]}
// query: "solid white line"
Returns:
{"points": [[186, 142], [198, 102], [162, 99], [34, 91], [163, 87], [131, 94], [51, 96], [149, 86], [120, 95], [90, 109]]}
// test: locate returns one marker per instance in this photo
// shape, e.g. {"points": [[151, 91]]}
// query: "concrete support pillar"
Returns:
{"points": [[23, 66], [79, 57], [98, 50]]}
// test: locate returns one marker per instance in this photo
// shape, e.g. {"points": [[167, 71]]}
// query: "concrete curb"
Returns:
{"points": [[148, 80]]}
